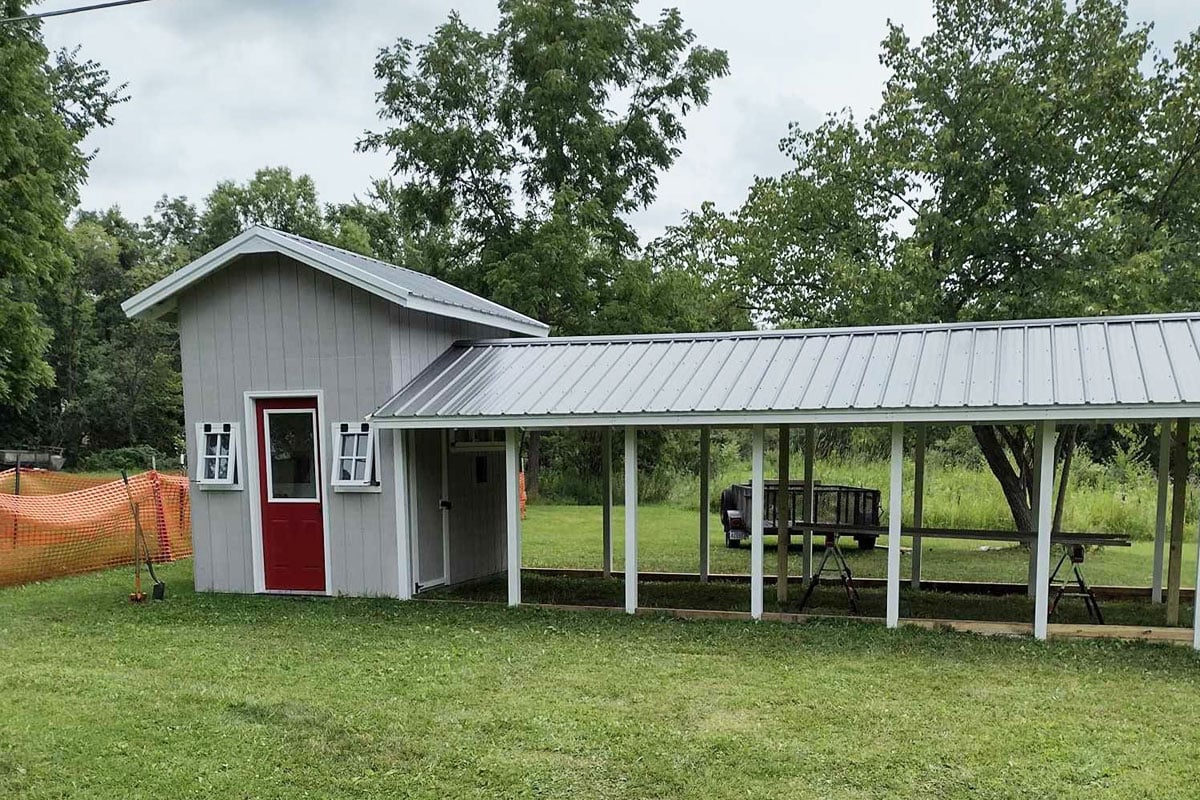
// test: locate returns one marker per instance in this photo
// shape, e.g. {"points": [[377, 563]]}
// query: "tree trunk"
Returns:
{"points": [[1017, 486], [1067, 445], [533, 462], [1008, 451]]}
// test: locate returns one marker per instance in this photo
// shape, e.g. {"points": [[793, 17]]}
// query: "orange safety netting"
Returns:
{"points": [[63, 524]]}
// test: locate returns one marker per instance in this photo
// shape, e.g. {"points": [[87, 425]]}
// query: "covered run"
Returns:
{"points": [[1042, 373]]}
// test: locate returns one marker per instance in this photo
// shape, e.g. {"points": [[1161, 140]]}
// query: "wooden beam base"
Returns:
{"points": [[954, 587], [1129, 633]]}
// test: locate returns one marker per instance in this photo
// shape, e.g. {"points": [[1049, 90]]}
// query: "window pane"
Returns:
{"points": [[210, 468], [360, 469], [347, 444], [223, 468], [293, 455], [210, 444], [345, 468], [362, 446], [223, 439]]}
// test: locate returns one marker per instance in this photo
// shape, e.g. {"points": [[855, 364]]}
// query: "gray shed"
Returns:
{"points": [[287, 346]]}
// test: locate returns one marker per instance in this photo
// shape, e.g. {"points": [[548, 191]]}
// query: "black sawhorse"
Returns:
{"points": [[1075, 553], [847, 579]]}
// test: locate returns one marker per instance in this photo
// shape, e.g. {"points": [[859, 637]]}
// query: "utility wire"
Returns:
{"points": [[76, 10]]}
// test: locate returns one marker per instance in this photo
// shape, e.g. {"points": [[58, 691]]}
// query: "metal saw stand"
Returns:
{"points": [[1082, 590], [847, 579]]}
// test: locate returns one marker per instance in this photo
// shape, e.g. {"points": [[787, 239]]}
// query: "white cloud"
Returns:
{"points": [[220, 88]]}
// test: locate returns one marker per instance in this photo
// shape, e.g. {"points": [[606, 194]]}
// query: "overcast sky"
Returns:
{"points": [[219, 88]]}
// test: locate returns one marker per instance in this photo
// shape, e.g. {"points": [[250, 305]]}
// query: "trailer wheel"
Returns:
{"points": [[728, 503], [730, 542], [866, 542]]}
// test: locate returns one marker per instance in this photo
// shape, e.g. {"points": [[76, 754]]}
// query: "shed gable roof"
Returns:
{"points": [[404, 287], [1089, 368]]}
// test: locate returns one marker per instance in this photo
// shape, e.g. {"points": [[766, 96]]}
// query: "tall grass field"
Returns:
{"points": [[1118, 497]]}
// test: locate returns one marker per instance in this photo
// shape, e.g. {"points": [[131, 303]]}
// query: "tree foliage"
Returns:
{"points": [[48, 104], [518, 154], [1027, 159]]}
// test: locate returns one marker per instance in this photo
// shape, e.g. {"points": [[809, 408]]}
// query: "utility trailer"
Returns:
{"points": [[832, 505]]}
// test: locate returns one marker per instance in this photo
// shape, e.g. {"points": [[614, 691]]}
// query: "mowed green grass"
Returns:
{"points": [[238, 696], [668, 541]]}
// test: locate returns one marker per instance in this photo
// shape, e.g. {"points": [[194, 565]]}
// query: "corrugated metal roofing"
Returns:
{"points": [[1146, 366], [416, 283]]}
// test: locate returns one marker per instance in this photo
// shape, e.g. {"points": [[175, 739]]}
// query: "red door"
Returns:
{"points": [[289, 485]]}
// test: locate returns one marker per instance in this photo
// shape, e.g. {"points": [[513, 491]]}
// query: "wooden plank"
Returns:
{"points": [[1103, 592], [980, 627], [1178, 506]]}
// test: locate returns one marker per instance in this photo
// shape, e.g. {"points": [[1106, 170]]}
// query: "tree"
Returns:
{"points": [[48, 104], [1022, 163], [519, 153]]}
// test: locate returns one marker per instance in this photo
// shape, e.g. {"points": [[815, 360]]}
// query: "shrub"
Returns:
{"points": [[134, 459]]}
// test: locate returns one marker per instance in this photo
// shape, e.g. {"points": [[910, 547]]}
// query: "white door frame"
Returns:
{"points": [[252, 474]]}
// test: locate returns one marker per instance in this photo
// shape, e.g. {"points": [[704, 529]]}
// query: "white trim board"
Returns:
{"points": [[945, 416], [252, 467]]}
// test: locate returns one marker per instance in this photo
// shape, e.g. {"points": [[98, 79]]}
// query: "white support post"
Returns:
{"points": [[404, 534], [512, 470], [705, 450], [1045, 520], [808, 505], [895, 514], [756, 524], [1160, 512], [783, 514], [631, 502], [606, 467], [918, 503], [1196, 601], [1031, 578]]}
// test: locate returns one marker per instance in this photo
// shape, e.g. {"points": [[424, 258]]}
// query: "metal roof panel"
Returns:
{"points": [[1146, 362]]}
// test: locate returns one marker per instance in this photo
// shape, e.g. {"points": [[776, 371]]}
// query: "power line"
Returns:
{"points": [[77, 10]]}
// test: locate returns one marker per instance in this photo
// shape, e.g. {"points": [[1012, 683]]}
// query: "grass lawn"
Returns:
{"points": [[668, 541], [240, 696]]}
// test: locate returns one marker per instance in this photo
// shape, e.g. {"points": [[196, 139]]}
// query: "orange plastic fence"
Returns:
{"points": [[62, 524]]}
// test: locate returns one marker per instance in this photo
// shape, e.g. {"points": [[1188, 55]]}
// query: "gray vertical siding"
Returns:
{"points": [[477, 536], [265, 323]]}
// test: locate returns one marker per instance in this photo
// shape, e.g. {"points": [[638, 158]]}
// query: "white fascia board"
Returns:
{"points": [[533, 328], [153, 301], [949, 416], [143, 303]]}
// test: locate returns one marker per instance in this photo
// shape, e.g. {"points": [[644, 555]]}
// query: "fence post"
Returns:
{"points": [[160, 519]]}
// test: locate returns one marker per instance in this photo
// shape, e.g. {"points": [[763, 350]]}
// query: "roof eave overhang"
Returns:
{"points": [[160, 298], [945, 416]]}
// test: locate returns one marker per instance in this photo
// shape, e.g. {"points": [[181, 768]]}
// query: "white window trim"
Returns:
{"points": [[271, 498], [371, 482], [236, 481]]}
